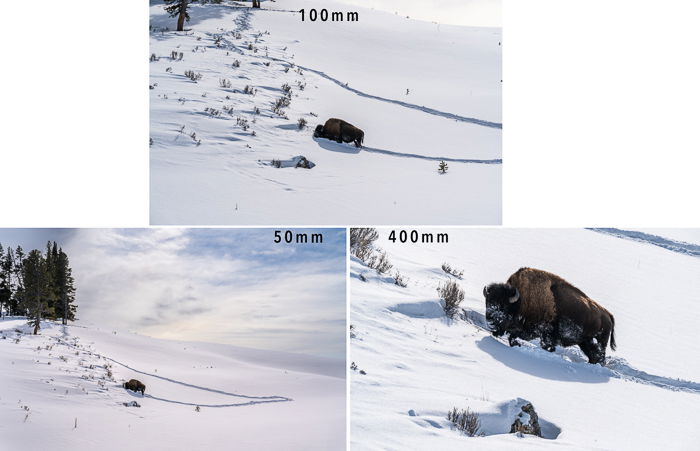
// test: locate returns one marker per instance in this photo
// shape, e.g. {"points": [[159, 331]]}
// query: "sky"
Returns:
{"points": [[232, 286], [476, 13]]}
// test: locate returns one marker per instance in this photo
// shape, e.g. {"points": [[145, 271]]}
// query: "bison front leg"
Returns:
{"points": [[513, 341], [548, 341]]}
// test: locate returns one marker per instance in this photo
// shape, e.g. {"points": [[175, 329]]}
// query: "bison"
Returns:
{"points": [[538, 304], [340, 131], [135, 385]]}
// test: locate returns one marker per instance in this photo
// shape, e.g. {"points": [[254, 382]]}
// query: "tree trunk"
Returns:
{"points": [[256, 3], [181, 17], [65, 310]]}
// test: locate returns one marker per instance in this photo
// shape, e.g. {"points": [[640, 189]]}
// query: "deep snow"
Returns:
{"points": [[357, 71], [419, 365], [248, 399]]}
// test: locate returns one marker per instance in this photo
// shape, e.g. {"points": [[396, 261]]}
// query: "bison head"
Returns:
{"points": [[319, 131], [501, 306]]}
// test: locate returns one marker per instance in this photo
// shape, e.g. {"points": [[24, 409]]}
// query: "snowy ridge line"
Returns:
{"points": [[680, 247], [424, 157], [616, 367], [258, 399]]}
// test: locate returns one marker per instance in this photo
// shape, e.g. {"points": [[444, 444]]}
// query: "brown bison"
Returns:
{"points": [[135, 385], [538, 304], [340, 131]]}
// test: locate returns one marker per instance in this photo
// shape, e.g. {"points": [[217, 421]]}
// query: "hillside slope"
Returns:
{"points": [[248, 399], [419, 365], [214, 137]]}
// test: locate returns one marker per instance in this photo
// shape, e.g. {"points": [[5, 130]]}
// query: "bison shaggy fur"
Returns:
{"points": [[538, 304], [135, 385], [340, 131]]}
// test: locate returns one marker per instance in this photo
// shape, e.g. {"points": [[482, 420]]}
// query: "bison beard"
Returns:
{"points": [[538, 304], [340, 131]]}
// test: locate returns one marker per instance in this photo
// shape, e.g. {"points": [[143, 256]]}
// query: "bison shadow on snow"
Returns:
{"points": [[540, 363], [336, 147]]}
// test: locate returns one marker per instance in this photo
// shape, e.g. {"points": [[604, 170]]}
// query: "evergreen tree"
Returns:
{"points": [[179, 8], [65, 284], [37, 288], [51, 270], [18, 295], [7, 270], [5, 281]]}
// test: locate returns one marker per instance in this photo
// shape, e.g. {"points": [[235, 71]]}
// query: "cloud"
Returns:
{"points": [[233, 286]]}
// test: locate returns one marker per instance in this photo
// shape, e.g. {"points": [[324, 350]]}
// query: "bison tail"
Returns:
{"points": [[613, 346]]}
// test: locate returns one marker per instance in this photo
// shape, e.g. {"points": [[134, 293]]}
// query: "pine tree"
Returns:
{"points": [[442, 167], [18, 270], [179, 8], [37, 288], [66, 290], [5, 281], [51, 270], [7, 270]]}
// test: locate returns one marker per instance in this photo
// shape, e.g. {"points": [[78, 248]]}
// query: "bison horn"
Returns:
{"points": [[515, 298], [486, 291]]}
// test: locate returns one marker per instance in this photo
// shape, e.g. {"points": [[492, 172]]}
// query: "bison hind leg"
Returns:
{"points": [[593, 350]]}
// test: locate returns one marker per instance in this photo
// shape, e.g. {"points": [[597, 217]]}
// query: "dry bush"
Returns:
{"points": [[452, 295], [465, 421], [362, 242]]}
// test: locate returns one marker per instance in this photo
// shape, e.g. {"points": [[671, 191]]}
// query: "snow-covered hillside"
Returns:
{"points": [[419, 365], [62, 390], [421, 92]]}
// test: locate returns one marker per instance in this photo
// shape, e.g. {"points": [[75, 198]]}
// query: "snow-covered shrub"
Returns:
{"points": [[279, 104], [452, 271], [243, 123], [362, 241], [195, 77], [286, 87], [382, 264], [452, 295], [400, 280], [301, 123], [154, 57], [277, 163], [442, 167], [465, 421], [225, 83], [248, 90], [236, 63]]}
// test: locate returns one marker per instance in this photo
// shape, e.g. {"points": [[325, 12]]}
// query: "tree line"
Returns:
{"points": [[37, 285]]}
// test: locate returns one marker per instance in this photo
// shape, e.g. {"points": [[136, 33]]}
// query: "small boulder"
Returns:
{"points": [[527, 421]]}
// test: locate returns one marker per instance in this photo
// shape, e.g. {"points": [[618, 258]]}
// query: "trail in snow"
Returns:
{"points": [[254, 399], [423, 157], [424, 109], [671, 245]]}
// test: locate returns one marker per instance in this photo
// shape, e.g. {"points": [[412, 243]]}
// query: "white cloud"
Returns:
{"points": [[151, 281]]}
